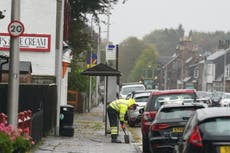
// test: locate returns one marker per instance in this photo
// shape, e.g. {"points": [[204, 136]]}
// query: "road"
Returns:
{"points": [[136, 136]]}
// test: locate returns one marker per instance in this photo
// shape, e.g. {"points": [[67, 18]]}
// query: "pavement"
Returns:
{"points": [[89, 137]]}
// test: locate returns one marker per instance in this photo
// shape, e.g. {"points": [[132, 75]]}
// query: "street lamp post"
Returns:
{"points": [[224, 79]]}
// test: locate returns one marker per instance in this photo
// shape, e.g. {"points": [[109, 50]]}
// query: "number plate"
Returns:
{"points": [[225, 149], [178, 129]]}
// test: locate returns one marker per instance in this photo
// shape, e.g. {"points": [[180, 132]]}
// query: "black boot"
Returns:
{"points": [[114, 139]]}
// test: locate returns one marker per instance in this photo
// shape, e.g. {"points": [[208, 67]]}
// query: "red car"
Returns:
{"points": [[156, 99]]}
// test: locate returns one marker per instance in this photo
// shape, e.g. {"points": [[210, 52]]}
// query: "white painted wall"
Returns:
{"points": [[38, 17], [210, 73]]}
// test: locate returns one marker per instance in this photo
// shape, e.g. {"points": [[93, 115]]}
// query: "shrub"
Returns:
{"points": [[14, 140]]}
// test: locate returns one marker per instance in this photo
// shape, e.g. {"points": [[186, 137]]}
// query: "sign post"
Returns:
{"points": [[16, 29], [110, 52]]}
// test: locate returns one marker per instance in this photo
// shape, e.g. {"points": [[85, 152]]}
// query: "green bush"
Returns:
{"points": [[14, 140], [6, 145]]}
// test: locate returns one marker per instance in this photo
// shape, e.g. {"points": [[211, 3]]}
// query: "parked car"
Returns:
{"points": [[205, 97], [216, 97], [141, 97], [127, 88], [169, 125], [156, 99], [225, 100], [207, 131]]}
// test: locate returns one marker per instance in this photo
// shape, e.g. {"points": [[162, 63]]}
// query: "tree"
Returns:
{"points": [[165, 40], [146, 61], [94, 7], [82, 37], [129, 51]]}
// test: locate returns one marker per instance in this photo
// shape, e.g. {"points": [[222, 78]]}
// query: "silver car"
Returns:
{"points": [[133, 116]]}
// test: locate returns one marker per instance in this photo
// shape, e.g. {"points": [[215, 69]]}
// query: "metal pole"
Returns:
{"points": [[58, 61], [90, 65], [204, 88], [90, 83], [13, 88], [98, 62], [182, 69], [105, 103], [166, 73], [224, 79], [108, 26]]}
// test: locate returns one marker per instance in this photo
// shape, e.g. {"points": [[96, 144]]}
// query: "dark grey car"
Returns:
{"points": [[207, 131]]}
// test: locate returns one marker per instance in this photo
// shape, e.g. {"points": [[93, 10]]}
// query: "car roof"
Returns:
{"points": [[141, 91], [132, 85], [174, 91], [141, 94], [195, 104], [212, 112]]}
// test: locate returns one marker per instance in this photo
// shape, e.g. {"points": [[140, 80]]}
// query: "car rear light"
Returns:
{"points": [[156, 127], [149, 116], [195, 138]]}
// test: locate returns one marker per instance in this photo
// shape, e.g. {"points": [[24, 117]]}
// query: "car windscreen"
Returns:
{"points": [[141, 99], [127, 90], [215, 127], [171, 113], [157, 101]]}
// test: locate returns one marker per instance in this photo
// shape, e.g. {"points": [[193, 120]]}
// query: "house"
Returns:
{"points": [[218, 66], [178, 72]]}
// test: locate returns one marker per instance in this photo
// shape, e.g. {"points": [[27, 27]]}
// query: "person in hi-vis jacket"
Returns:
{"points": [[118, 108]]}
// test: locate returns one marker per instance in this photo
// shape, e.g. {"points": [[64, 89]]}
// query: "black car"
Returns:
{"points": [[207, 131], [169, 125]]}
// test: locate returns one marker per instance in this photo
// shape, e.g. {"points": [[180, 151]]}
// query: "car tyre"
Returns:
{"points": [[131, 124], [145, 145]]}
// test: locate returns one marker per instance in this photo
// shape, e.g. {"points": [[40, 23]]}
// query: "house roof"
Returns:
{"points": [[188, 60], [162, 60], [101, 70], [216, 55]]}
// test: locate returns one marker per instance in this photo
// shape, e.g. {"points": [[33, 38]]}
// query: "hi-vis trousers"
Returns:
{"points": [[113, 120]]}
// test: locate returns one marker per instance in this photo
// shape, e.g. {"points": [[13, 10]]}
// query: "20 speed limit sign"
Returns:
{"points": [[16, 28]]}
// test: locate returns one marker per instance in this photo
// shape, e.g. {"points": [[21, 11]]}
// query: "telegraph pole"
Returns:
{"points": [[58, 59], [13, 83]]}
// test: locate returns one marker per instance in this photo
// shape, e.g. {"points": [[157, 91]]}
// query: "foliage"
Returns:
{"points": [[6, 144], [129, 51], [81, 7], [76, 80], [14, 140], [21, 144], [165, 40], [147, 60], [208, 41]]}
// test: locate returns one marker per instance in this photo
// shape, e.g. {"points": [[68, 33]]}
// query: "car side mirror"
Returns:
{"points": [[141, 111]]}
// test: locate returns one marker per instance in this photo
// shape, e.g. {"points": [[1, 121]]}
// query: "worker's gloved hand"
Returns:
{"points": [[122, 125]]}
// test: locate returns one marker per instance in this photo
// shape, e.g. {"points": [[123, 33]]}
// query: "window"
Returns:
{"points": [[182, 113], [196, 73], [216, 127]]}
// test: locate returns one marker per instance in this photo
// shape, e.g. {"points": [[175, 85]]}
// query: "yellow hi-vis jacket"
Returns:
{"points": [[121, 106]]}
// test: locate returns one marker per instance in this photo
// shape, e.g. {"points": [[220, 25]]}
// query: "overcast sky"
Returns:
{"points": [[140, 17]]}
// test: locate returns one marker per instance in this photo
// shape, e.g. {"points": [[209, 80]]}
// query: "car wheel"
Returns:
{"points": [[131, 124], [145, 145]]}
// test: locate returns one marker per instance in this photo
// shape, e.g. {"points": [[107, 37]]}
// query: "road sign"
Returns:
{"points": [[110, 52], [16, 28]]}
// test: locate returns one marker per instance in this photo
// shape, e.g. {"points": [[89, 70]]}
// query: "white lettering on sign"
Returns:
{"points": [[27, 42]]}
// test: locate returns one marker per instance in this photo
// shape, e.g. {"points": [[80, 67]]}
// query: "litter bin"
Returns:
{"points": [[66, 120]]}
